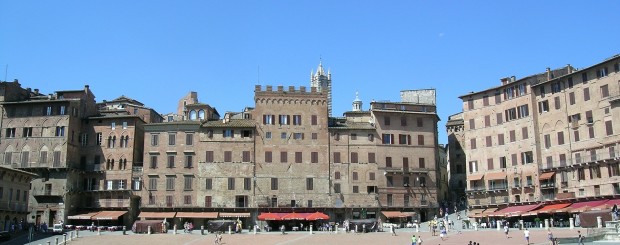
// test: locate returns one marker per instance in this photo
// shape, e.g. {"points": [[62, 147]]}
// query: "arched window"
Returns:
{"points": [[192, 115], [201, 115]]}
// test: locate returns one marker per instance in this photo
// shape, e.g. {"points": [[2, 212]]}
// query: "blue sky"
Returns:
{"points": [[158, 51]]}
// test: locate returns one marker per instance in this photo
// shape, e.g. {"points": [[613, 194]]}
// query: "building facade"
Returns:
{"points": [[456, 159], [14, 193], [534, 139]]}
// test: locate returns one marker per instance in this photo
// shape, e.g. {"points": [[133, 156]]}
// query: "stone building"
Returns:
{"points": [[533, 140], [15, 190], [456, 159]]}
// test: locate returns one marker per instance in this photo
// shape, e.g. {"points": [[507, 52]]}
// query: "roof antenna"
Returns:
{"points": [[6, 70]]}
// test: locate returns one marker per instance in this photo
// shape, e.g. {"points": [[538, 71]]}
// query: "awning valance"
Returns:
{"points": [[198, 215], [495, 176], [395, 214], [108, 215], [514, 210], [82, 216], [546, 176], [157, 215], [475, 177], [552, 208], [234, 215]]}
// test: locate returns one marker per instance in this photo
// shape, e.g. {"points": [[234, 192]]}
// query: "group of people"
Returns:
{"points": [[416, 240], [188, 227]]}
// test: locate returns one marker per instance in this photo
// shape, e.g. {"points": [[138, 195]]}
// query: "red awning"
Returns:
{"points": [[546, 176], [495, 176], [514, 210], [474, 177], [234, 215], [157, 215], [547, 209], [317, 216], [583, 206], [295, 216], [108, 215], [199, 215], [395, 214], [271, 216], [83, 216]]}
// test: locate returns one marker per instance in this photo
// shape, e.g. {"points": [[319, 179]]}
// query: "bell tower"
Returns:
{"points": [[323, 83]]}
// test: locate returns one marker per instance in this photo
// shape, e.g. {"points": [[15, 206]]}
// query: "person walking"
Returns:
{"points": [[526, 232], [506, 231], [580, 238], [550, 236], [414, 240], [419, 240], [392, 230]]}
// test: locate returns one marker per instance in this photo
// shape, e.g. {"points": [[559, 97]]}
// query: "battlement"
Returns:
{"points": [[280, 90]]}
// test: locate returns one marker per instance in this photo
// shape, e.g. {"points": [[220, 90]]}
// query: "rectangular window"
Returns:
{"points": [[337, 157], [470, 104], [511, 114], [228, 133], [571, 98], [315, 136], [208, 202], [337, 188], [487, 121], [420, 139], [283, 157], [490, 164], [547, 140], [543, 106], [586, 94], [60, 131], [512, 136], [187, 200], [527, 157], [560, 138], [356, 189], [189, 161], [283, 119], [502, 162], [268, 156], [298, 157], [473, 166], [472, 124], [170, 183], [388, 162], [386, 120], [283, 135], [154, 139], [172, 139], [500, 139], [576, 135], [209, 184], [591, 132], [314, 120], [389, 181], [170, 161], [355, 177], [247, 184], [296, 119], [420, 122], [314, 157], [231, 184], [422, 162], [388, 139], [298, 136], [603, 72], [153, 161], [609, 129], [371, 157], [403, 121], [336, 175], [153, 183], [489, 141], [405, 163], [523, 111], [124, 125], [209, 156], [524, 133], [485, 100], [113, 125], [227, 156], [371, 176], [604, 91], [188, 183], [267, 135], [309, 184], [556, 102], [513, 158], [274, 184], [584, 77], [268, 119], [472, 143], [245, 156], [189, 139]]}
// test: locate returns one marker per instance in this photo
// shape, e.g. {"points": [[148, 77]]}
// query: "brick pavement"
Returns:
{"points": [[538, 236]]}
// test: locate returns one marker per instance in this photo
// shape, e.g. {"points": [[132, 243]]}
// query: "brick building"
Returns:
{"points": [[534, 139], [15, 189]]}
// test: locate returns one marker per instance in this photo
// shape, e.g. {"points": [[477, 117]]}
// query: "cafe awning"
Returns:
{"points": [[271, 216], [198, 215], [395, 214], [546, 176], [552, 208], [295, 216], [234, 215], [86, 216], [108, 215], [514, 210], [317, 216], [495, 176], [157, 215], [584, 206], [474, 177], [475, 213]]}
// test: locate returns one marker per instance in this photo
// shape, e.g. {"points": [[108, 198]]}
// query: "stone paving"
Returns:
{"points": [[403, 236]]}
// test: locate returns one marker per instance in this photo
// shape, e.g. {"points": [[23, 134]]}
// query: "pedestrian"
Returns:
{"points": [[414, 240], [550, 236], [392, 230], [470, 243], [217, 238], [506, 231], [419, 240], [580, 237], [526, 232], [442, 232]]}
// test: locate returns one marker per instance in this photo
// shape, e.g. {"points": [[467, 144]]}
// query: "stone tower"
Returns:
{"points": [[357, 103], [323, 83]]}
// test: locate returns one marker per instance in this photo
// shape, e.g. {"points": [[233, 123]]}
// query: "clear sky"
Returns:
{"points": [[158, 51]]}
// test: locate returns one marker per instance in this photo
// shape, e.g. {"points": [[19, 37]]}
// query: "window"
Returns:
{"points": [[420, 139], [371, 157], [314, 120], [404, 139], [502, 162], [422, 162], [487, 120], [388, 139], [543, 106], [472, 123], [309, 184], [187, 199], [513, 158], [498, 98], [208, 201], [298, 136], [231, 184], [512, 136], [189, 161], [268, 156], [298, 157], [560, 138], [189, 139], [337, 188], [576, 135], [571, 98], [269, 119], [124, 125], [296, 119], [472, 143], [353, 136], [527, 157], [283, 135], [388, 162], [153, 183], [371, 137], [113, 125], [591, 132], [473, 166], [604, 91], [227, 156], [581, 174], [570, 82], [314, 157], [48, 110], [489, 141], [170, 161], [356, 189], [584, 77], [386, 120], [267, 135], [188, 183], [283, 119], [603, 72], [371, 176], [245, 156], [27, 132], [170, 183], [589, 117], [209, 184], [153, 161], [337, 157], [470, 104], [389, 181], [490, 164], [557, 103], [247, 184], [523, 111], [524, 133], [355, 177], [60, 131], [172, 139], [528, 180], [609, 127], [337, 175], [228, 133], [547, 140], [283, 157], [209, 156], [10, 133], [485, 100], [586, 94], [405, 163], [246, 133], [500, 139], [274, 184]]}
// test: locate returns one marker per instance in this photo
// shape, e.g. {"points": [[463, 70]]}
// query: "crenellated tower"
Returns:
{"points": [[323, 83]]}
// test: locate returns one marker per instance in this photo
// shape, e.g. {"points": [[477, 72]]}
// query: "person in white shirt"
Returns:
{"points": [[527, 236]]}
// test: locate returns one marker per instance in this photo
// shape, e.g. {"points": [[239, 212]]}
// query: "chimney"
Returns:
{"points": [[569, 69], [36, 91], [505, 80], [257, 88], [548, 73]]}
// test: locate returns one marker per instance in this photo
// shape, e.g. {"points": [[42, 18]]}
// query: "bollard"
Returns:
{"points": [[64, 238], [98, 231], [174, 229], [255, 230], [520, 224], [499, 225], [355, 228], [476, 226], [202, 230], [571, 223], [599, 221], [229, 230], [310, 229], [149, 229], [546, 223], [77, 233], [417, 228], [124, 230], [56, 240]]}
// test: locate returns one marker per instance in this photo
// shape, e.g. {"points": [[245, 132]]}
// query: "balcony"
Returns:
{"points": [[496, 187], [601, 156], [94, 168], [44, 192], [547, 185], [111, 203], [476, 189]]}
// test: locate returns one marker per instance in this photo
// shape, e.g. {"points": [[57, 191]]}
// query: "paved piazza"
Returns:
{"points": [[538, 236]]}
